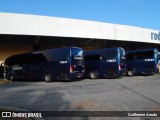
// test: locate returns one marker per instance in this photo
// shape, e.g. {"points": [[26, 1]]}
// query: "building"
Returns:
{"points": [[21, 33]]}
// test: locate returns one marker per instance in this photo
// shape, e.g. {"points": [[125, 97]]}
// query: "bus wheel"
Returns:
{"points": [[93, 75], [130, 73], [47, 77]]}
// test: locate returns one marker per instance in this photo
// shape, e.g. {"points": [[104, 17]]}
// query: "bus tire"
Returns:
{"points": [[130, 72], [47, 77], [93, 75]]}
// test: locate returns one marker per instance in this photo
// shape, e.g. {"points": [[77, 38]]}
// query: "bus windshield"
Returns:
{"points": [[77, 55], [25, 59], [122, 53], [140, 55]]}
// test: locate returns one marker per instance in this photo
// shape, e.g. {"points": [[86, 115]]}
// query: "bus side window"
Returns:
{"points": [[59, 55], [148, 54], [111, 54], [139, 55]]}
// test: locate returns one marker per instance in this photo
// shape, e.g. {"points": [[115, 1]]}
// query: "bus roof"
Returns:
{"points": [[114, 48], [36, 52], [55, 49], [143, 50]]}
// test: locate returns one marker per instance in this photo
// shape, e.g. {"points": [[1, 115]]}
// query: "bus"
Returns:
{"points": [[2, 70], [106, 62], [158, 62], [55, 64], [142, 62]]}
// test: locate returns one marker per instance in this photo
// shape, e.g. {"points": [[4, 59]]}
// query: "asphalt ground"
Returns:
{"points": [[138, 93]]}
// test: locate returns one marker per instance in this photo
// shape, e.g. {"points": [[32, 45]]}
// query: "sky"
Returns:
{"points": [[139, 13]]}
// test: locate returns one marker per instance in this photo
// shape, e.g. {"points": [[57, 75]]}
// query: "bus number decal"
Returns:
{"points": [[112, 60], [149, 60], [63, 62]]}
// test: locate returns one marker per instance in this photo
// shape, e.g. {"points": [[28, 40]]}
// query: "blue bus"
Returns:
{"points": [[55, 64], [106, 62], [142, 62], [2, 70], [158, 62]]}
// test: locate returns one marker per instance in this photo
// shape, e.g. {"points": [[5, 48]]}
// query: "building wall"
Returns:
{"points": [[22, 24], [53, 26]]}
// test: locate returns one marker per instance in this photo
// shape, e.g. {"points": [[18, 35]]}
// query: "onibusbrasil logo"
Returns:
{"points": [[21, 114]]}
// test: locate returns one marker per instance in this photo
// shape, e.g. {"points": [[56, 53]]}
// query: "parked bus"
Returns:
{"points": [[142, 62], [55, 64], [2, 70], [158, 62], [106, 62]]}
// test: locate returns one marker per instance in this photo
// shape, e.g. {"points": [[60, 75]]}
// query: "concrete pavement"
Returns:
{"points": [[137, 93]]}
